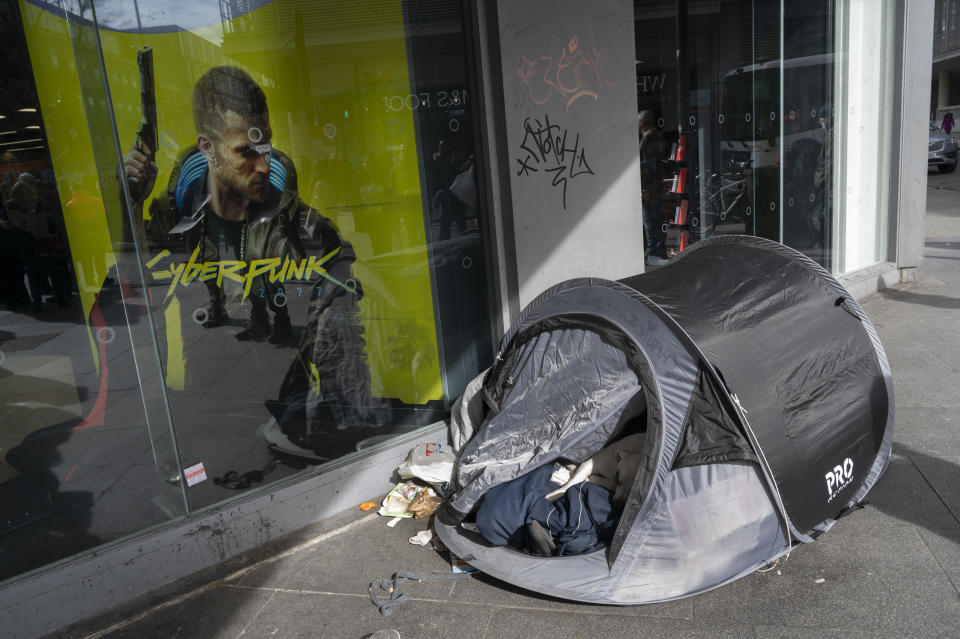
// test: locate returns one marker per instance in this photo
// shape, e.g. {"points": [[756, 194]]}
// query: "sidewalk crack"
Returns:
{"points": [[936, 492], [256, 614], [953, 583]]}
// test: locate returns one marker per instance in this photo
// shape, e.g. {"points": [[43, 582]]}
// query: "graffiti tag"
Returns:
{"points": [[548, 148], [574, 75]]}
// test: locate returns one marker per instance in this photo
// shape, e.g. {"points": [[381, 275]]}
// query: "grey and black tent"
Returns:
{"points": [[762, 389]]}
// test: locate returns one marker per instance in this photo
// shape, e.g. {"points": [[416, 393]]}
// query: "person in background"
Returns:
{"points": [[13, 292], [947, 124], [652, 152]]}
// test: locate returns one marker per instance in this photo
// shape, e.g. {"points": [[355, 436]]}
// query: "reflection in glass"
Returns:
{"points": [[742, 92], [287, 267], [309, 230], [78, 466]]}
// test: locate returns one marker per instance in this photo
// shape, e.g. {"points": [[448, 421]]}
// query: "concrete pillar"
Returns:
{"points": [[908, 178]]}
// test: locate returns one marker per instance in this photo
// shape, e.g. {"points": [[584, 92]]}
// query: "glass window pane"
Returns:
{"points": [[310, 224], [79, 466], [263, 225], [736, 89]]}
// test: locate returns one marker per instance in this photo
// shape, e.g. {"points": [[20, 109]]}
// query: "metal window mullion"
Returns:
{"points": [[139, 252]]}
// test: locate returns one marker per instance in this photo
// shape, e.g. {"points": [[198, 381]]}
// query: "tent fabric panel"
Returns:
{"points": [[886, 446], [533, 311], [673, 368], [613, 305], [883, 455], [583, 578], [815, 399], [710, 434], [556, 401], [503, 378], [710, 523]]}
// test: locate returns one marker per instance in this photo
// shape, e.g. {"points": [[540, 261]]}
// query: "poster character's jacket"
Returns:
{"points": [[327, 385], [180, 215]]}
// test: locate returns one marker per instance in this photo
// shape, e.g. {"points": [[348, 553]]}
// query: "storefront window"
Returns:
{"points": [[742, 94], [78, 461], [263, 221]]}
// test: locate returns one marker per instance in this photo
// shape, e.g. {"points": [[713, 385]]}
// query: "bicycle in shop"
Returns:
{"points": [[728, 206]]}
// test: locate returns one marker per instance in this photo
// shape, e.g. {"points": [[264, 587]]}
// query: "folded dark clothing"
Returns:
{"points": [[582, 520]]}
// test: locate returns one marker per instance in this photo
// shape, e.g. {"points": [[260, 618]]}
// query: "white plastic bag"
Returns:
{"points": [[433, 463]]}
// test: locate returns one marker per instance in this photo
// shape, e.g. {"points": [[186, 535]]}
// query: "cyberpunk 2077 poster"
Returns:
{"points": [[258, 260]]}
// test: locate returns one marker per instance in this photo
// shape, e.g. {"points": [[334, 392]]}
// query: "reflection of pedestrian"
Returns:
{"points": [[652, 152], [445, 171], [12, 290], [822, 182], [42, 252], [947, 123]]}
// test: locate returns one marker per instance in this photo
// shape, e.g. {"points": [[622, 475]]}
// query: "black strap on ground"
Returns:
{"points": [[242, 481], [238, 481], [392, 587]]}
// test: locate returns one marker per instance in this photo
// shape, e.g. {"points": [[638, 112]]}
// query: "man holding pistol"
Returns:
{"points": [[230, 210], [232, 197]]}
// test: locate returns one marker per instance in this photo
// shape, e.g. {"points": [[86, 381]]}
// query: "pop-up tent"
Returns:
{"points": [[768, 415]]}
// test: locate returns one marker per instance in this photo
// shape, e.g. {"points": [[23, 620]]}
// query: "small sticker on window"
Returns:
{"points": [[195, 474]]}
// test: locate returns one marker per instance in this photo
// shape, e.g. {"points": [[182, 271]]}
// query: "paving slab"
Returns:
{"points": [[929, 429], [945, 547], [882, 579], [904, 496], [922, 378], [308, 615], [488, 590], [783, 632], [523, 624], [370, 551], [219, 613]]}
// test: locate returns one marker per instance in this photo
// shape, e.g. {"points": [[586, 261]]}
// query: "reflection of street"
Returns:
{"points": [[45, 505], [66, 486], [37, 392], [937, 181]]}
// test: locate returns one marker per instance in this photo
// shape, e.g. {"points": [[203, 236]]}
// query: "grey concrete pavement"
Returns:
{"points": [[891, 569]]}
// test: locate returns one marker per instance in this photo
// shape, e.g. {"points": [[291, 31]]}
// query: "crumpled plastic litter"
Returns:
{"points": [[432, 462], [398, 500], [425, 503], [459, 565], [422, 538], [410, 499]]}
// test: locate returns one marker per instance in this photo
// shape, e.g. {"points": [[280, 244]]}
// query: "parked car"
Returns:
{"points": [[942, 152]]}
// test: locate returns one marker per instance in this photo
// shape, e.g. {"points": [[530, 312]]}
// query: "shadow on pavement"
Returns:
{"points": [[921, 299], [927, 501]]}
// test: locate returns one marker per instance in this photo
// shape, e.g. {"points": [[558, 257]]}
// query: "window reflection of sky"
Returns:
{"points": [[185, 14], [162, 15]]}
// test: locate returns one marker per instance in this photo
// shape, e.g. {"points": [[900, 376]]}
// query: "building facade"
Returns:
{"points": [[945, 92], [254, 249]]}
